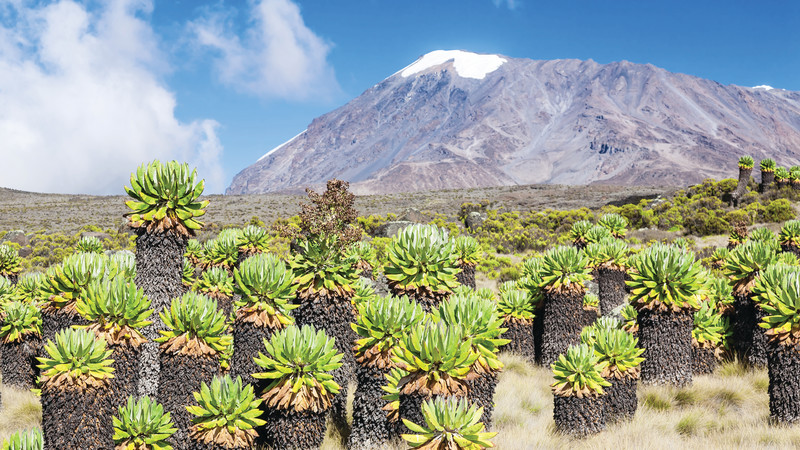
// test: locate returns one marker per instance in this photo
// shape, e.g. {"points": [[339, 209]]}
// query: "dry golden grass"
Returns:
{"points": [[728, 409]]}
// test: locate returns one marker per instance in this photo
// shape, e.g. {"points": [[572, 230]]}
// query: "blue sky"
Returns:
{"points": [[90, 89]]}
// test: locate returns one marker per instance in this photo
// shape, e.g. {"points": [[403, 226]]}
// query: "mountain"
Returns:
{"points": [[454, 119]]}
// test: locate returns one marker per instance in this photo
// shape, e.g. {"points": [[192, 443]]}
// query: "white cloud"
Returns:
{"points": [[82, 103], [512, 4], [277, 55]]}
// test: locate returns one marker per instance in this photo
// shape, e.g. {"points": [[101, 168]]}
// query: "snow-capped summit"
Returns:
{"points": [[468, 65], [764, 87]]}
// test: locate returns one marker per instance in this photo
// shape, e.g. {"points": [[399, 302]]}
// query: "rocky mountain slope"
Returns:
{"points": [[461, 120]]}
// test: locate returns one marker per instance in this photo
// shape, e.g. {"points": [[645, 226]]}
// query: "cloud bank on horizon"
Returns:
{"points": [[83, 100]]}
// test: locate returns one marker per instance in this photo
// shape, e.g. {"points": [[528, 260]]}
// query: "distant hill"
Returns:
{"points": [[461, 120]]}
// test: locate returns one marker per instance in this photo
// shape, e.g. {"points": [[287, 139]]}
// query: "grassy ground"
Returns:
{"points": [[728, 409]]}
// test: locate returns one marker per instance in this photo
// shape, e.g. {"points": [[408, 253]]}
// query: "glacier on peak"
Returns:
{"points": [[764, 86], [282, 145], [467, 64]]}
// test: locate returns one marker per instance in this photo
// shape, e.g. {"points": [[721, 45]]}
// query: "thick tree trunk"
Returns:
{"points": [[480, 391], [159, 268], [371, 426], [563, 322], [466, 276], [620, 398], [538, 334], [784, 383], [181, 377], [126, 374], [520, 333], [589, 316], [704, 360], [291, 430], [666, 337], [19, 362], [749, 340], [55, 320], [77, 418], [741, 187], [611, 289], [333, 314], [767, 178], [579, 417], [248, 341]]}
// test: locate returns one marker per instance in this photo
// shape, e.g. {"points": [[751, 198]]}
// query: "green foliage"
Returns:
{"points": [[89, 244], [187, 273], [28, 289], [322, 267], [194, 317], [76, 356], [746, 162], [19, 320], [194, 251], [516, 304], [267, 288], [708, 329], [165, 198], [380, 325], [68, 281], [115, 308], [615, 224], [629, 315], [590, 300], [746, 261], [437, 357], [782, 320], [597, 234], [297, 366], [30, 439], [767, 165], [482, 326], [619, 350], [578, 231], [665, 277], [142, 424], [764, 235], [578, 373], [7, 290], [467, 250], [226, 413], [122, 263], [253, 239], [781, 174], [564, 268], [215, 283], [9, 261], [608, 253], [450, 423], [422, 258], [221, 252], [790, 234]]}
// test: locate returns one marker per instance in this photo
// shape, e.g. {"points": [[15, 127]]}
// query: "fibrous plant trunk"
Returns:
{"points": [[467, 275], [791, 249], [744, 178], [77, 418], [333, 313], [126, 373], [784, 383], [589, 316], [666, 337], [411, 407], [55, 320], [796, 185], [538, 332], [620, 398], [563, 322], [749, 340], [292, 430], [520, 333], [427, 300], [704, 360], [611, 289], [480, 391], [371, 426], [159, 268], [18, 363], [767, 178], [579, 417], [248, 342], [181, 377]]}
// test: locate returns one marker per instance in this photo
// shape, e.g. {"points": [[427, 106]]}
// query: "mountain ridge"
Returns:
{"points": [[527, 121]]}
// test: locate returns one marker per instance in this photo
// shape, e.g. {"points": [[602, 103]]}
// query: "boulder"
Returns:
{"points": [[389, 229], [474, 220], [18, 237]]}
